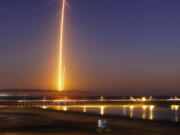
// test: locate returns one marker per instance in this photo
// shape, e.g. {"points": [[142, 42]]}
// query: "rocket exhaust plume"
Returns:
{"points": [[63, 79], [61, 72]]}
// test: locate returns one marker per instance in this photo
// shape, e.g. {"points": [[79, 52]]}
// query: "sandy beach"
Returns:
{"points": [[29, 121]]}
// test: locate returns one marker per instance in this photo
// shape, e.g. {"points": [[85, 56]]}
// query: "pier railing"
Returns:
{"points": [[34, 103]]}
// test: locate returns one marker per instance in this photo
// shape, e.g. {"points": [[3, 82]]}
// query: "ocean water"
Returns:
{"points": [[149, 112]]}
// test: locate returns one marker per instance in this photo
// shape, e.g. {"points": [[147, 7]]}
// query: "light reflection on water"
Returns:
{"points": [[150, 112], [175, 108], [84, 109], [144, 108]]}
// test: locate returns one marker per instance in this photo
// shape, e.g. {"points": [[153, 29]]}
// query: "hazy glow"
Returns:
{"points": [[144, 107], [131, 111], [175, 107], [44, 107], [151, 112], [151, 107], [61, 75], [65, 108], [84, 109], [143, 99], [102, 110]]}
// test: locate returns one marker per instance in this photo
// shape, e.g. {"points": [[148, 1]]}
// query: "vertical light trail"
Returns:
{"points": [[61, 46], [63, 83]]}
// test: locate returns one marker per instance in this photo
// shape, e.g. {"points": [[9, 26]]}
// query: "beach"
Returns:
{"points": [[36, 121]]}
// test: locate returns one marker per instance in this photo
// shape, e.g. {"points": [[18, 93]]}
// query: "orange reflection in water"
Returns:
{"points": [[144, 107], [84, 109], [147, 110], [65, 108], [175, 108], [102, 110], [151, 112], [131, 114]]}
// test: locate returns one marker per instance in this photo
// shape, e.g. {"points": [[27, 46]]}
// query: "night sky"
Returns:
{"points": [[112, 46]]}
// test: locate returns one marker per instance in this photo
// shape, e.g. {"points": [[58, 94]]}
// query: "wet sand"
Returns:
{"points": [[29, 121]]}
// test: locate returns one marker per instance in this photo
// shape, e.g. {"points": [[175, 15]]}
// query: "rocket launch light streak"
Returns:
{"points": [[63, 79], [61, 72]]}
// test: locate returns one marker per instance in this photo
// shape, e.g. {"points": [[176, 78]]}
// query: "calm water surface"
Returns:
{"points": [[150, 112]]}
